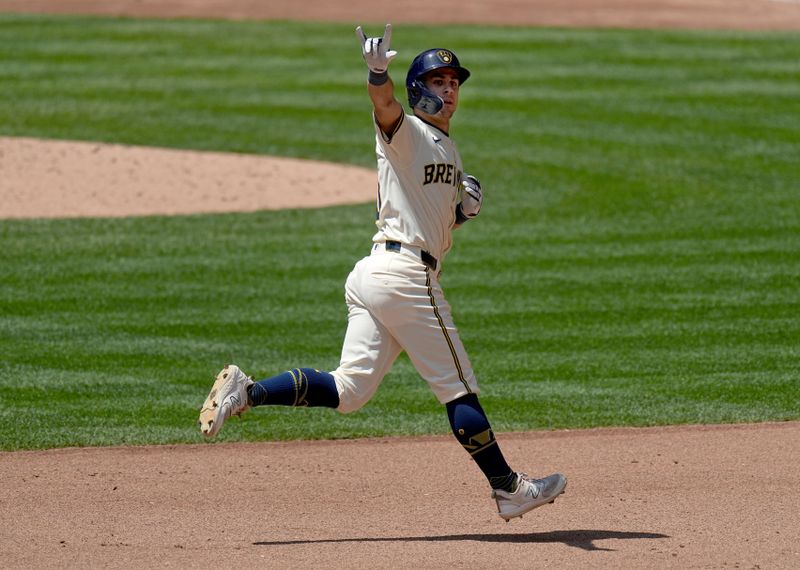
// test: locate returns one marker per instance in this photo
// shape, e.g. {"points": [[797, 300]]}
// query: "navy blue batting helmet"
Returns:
{"points": [[419, 96]]}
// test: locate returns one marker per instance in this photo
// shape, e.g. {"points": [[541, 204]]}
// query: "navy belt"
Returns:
{"points": [[426, 257]]}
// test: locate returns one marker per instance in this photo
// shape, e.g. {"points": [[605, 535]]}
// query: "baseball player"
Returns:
{"points": [[394, 299]]}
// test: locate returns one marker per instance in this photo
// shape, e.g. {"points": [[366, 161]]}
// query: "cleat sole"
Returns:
{"points": [[208, 412]]}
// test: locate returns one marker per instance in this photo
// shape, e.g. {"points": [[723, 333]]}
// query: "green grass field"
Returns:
{"points": [[637, 261]]}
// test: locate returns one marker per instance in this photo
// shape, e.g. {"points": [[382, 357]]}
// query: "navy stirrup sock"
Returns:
{"points": [[301, 387], [471, 428]]}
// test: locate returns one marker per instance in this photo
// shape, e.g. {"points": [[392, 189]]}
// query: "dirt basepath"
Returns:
{"points": [[685, 497], [723, 14]]}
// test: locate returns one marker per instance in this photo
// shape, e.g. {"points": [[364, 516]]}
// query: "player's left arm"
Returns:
{"points": [[471, 199]]}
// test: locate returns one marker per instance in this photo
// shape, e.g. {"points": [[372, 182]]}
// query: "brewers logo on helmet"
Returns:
{"points": [[445, 55]]}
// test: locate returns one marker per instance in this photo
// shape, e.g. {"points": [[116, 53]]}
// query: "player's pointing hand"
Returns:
{"points": [[376, 51]]}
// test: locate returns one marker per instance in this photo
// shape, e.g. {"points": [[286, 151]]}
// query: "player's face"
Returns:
{"points": [[445, 84]]}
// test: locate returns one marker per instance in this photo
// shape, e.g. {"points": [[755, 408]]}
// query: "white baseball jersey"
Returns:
{"points": [[419, 176]]}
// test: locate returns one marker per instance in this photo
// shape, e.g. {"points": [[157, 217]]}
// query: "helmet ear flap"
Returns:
{"points": [[414, 93], [420, 97]]}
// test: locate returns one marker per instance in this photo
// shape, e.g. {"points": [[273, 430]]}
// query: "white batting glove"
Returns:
{"points": [[471, 197], [376, 51]]}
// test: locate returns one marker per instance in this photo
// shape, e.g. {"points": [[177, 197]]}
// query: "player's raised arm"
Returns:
{"points": [[377, 55]]}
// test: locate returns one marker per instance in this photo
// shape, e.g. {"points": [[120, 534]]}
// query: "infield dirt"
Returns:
{"points": [[678, 497]]}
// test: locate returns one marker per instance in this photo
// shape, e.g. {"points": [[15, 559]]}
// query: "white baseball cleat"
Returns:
{"points": [[529, 494], [228, 397]]}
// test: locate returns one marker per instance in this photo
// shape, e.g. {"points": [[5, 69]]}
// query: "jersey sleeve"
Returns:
{"points": [[402, 144]]}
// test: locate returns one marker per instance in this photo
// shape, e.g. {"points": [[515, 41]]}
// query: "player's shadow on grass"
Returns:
{"points": [[583, 539]]}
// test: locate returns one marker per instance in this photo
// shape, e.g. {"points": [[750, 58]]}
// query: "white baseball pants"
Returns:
{"points": [[395, 303]]}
